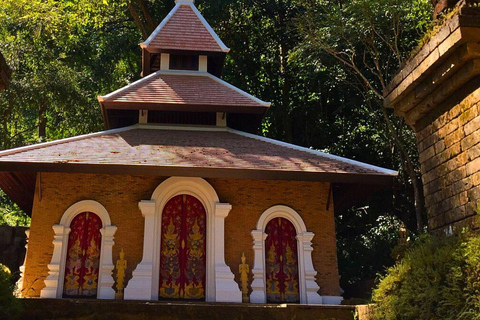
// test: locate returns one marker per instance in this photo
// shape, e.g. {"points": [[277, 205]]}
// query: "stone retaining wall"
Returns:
{"points": [[12, 247]]}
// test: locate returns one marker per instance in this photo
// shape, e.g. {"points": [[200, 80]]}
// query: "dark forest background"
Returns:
{"points": [[323, 64]]}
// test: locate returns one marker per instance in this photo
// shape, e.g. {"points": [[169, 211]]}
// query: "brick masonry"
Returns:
{"points": [[120, 195], [438, 94], [449, 153]]}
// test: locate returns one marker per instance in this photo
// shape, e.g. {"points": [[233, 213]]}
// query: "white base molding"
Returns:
{"points": [[226, 289], [140, 286], [332, 300]]}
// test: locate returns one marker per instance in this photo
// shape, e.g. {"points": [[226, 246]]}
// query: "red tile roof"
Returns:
{"points": [[185, 29], [190, 89], [205, 152]]}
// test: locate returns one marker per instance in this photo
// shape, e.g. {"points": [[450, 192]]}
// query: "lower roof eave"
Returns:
{"points": [[144, 169], [183, 107]]}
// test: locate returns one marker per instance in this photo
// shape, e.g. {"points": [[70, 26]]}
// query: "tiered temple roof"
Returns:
{"points": [[180, 119]]}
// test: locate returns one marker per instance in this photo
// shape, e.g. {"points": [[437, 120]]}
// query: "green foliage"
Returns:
{"points": [[439, 278], [10, 307], [11, 214]]}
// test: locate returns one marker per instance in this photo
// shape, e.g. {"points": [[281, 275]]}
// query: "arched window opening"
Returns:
{"points": [[183, 249], [281, 262], [83, 256]]}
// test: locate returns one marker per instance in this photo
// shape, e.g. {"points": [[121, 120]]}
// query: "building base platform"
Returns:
{"points": [[152, 310]]}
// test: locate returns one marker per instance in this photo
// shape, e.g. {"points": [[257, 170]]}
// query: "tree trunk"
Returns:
{"points": [[42, 122]]}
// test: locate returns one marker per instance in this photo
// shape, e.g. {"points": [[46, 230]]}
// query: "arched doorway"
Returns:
{"points": [[183, 249], [83, 256], [281, 262]]}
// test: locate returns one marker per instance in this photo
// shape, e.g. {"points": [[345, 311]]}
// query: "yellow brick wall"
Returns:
{"points": [[120, 195], [449, 153]]}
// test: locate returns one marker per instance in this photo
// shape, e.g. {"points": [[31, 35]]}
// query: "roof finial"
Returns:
{"points": [[188, 1]]}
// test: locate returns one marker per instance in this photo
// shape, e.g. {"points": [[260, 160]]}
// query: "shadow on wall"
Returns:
{"points": [[12, 247]]}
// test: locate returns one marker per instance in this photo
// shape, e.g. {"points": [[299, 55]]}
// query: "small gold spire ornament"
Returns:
{"points": [[244, 269], [121, 267]]}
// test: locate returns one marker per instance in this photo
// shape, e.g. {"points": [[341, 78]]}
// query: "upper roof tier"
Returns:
{"points": [[182, 90], [184, 29]]}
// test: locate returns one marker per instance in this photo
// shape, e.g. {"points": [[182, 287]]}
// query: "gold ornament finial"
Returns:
{"points": [[244, 269], [121, 267]]}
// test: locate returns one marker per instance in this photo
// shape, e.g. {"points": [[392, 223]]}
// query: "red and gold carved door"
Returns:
{"points": [[281, 262], [83, 256], [182, 255]]}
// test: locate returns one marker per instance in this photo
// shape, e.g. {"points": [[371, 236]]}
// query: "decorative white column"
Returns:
{"points": [[308, 295], [105, 274], [52, 284], [140, 286], [19, 283], [226, 289], [258, 294]]}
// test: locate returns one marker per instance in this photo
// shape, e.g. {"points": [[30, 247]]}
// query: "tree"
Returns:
{"points": [[370, 40]]}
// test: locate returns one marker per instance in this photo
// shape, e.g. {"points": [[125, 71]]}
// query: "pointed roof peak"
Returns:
{"points": [[184, 28]]}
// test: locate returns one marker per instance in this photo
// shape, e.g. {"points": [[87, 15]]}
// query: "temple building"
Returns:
{"points": [[181, 185]]}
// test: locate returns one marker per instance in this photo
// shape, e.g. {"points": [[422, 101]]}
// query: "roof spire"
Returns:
{"points": [[189, 1]]}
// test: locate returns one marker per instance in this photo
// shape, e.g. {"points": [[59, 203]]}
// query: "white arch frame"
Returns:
{"points": [[220, 283], [308, 288], [54, 281]]}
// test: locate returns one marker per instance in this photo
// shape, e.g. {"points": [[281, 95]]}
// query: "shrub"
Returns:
{"points": [[10, 306], [439, 278]]}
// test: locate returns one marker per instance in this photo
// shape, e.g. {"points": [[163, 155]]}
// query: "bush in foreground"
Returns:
{"points": [[439, 278], [10, 307]]}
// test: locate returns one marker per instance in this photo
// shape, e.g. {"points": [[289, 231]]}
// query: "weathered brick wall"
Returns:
{"points": [[120, 195], [449, 149]]}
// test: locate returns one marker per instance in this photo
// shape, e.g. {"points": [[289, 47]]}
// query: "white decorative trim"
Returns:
{"points": [[190, 3], [202, 63], [165, 61], [308, 288], [220, 283], [56, 268]]}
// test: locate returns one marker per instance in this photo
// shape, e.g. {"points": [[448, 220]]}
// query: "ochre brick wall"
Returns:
{"points": [[120, 195], [449, 149]]}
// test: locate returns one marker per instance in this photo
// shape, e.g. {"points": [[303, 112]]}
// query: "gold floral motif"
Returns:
{"points": [[193, 291]]}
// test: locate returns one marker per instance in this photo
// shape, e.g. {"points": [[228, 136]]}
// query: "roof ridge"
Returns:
{"points": [[315, 152], [207, 26], [65, 140]]}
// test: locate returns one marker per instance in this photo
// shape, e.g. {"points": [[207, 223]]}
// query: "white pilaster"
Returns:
{"points": [[221, 119], [165, 61], [52, 284], [140, 286], [203, 63], [226, 289], [143, 116], [105, 276], [308, 295], [258, 294]]}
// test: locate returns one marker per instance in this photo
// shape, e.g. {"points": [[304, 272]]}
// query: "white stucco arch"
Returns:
{"points": [[281, 211], [85, 206], [308, 288], [220, 284], [54, 281]]}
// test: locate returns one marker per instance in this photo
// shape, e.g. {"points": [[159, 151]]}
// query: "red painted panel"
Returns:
{"points": [[182, 256], [83, 256], [281, 262]]}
